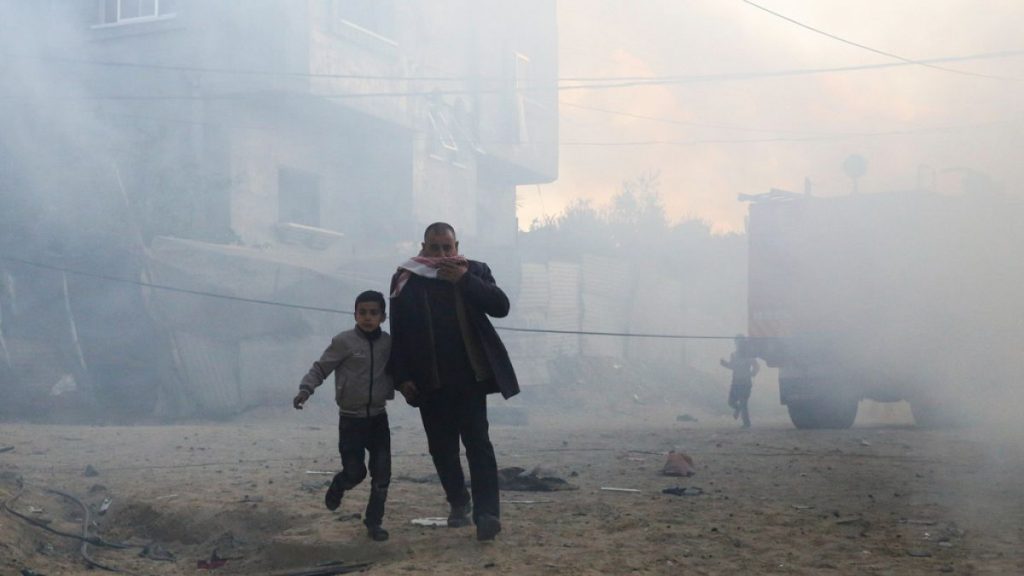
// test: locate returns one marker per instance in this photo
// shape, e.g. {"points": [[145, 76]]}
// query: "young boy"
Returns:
{"points": [[358, 358]]}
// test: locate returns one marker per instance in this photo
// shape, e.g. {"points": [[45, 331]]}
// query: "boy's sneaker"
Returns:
{"points": [[459, 515], [377, 534], [333, 497], [487, 527]]}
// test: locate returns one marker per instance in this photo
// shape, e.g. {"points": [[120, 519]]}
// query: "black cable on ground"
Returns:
{"points": [[83, 550], [91, 540]]}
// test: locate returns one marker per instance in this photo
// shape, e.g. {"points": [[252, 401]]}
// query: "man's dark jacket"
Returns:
{"points": [[412, 350]]}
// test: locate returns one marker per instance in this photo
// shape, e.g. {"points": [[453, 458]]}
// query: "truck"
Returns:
{"points": [[912, 296]]}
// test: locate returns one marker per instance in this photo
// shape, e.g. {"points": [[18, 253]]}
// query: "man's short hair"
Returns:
{"points": [[372, 296], [438, 228]]}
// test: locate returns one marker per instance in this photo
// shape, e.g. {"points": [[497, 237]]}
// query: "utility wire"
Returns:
{"points": [[575, 82], [605, 84], [331, 310], [785, 139], [875, 50], [809, 137], [620, 334], [248, 71], [170, 288]]}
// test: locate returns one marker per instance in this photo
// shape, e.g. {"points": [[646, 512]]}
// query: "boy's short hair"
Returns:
{"points": [[372, 296]]}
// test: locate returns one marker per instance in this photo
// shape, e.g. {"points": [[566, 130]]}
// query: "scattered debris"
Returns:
{"points": [[65, 384], [90, 471], [154, 551], [803, 507], [96, 488], [430, 521], [210, 564], [678, 464], [864, 442], [166, 497], [537, 480], [6, 449], [253, 499], [320, 472], [685, 418], [34, 510], [613, 489], [683, 491], [105, 506], [216, 560], [330, 569], [919, 553], [347, 517], [315, 485], [427, 479], [526, 501], [853, 526], [27, 572]]}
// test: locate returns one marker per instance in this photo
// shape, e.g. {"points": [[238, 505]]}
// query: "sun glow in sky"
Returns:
{"points": [[714, 138]]}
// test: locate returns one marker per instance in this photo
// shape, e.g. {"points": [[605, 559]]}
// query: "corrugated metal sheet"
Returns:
{"points": [[212, 372], [607, 303], [533, 290], [608, 277], [270, 369], [603, 314], [563, 311], [657, 308]]}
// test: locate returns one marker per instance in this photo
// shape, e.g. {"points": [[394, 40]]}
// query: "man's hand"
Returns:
{"points": [[410, 392], [451, 271], [300, 399]]}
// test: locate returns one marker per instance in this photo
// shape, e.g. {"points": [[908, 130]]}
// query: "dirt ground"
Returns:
{"points": [[881, 498]]}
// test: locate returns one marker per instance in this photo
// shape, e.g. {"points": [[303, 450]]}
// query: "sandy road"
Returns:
{"points": [[870, 500]]}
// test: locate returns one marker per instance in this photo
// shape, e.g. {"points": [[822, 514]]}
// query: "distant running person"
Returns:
{"points": [[744, 368]]}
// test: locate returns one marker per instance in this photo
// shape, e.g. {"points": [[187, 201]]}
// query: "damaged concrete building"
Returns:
{"points": [[274, 150]]}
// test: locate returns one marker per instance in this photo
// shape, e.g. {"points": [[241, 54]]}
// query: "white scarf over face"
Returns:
{"points": [[424, 266]]}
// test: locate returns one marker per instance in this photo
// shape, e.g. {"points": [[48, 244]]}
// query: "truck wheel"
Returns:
{"points": [[816, 414]]}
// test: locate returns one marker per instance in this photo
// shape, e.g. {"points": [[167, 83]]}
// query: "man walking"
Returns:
{"points": [[446, 358]]}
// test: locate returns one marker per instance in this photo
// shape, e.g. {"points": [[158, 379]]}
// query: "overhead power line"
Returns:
{"points": [[560, 84], [876, 50], [202, 293]]}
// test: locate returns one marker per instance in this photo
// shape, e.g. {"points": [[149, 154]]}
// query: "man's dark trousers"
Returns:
{"points": [[355, 437], [455, 411]]}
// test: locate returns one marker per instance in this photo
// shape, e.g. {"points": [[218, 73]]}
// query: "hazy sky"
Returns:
{"points": [[945, 121]]}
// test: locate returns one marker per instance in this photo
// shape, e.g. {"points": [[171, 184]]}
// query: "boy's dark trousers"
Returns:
{"points": [[359, 435], [455, 412]]}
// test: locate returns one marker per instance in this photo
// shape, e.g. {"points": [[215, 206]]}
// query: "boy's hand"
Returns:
{"points": [[409, 391], [300, 399]]}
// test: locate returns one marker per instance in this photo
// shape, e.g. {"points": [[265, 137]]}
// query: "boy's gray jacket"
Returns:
{"points": [[361, 380]]}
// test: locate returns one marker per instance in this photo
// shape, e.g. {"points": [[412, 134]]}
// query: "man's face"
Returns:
{"points": [[440, 244], [368, 316]]}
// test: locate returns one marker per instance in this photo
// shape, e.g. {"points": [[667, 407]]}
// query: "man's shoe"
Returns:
{"points": [[377, 534], [459, 515], [487, 527], [334, 493]]}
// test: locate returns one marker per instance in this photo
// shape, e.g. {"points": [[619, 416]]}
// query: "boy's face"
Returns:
{"points": [[368, 316]]}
